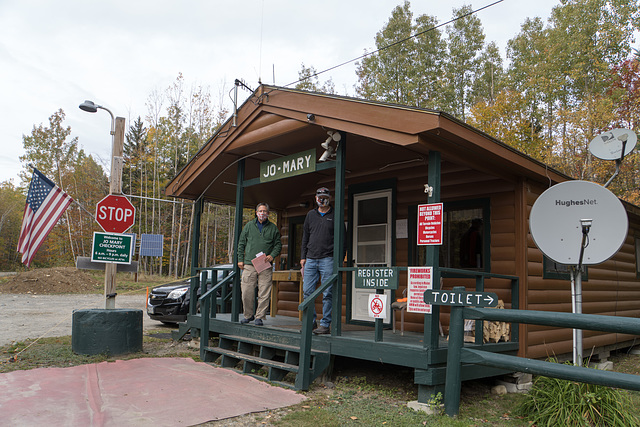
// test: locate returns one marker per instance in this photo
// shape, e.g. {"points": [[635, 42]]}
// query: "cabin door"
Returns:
{"points": [[371, 244]]}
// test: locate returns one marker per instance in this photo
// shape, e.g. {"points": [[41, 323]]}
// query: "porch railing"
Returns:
{"points": [[480, 277], [307, 304], [302, 381], [458, 354], [209, 301]]}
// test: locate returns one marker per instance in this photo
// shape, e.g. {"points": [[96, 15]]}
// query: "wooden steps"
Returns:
{"points": [[250, 356]]}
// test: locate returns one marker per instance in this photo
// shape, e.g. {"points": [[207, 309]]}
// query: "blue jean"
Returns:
{"points": [[322, 269]]}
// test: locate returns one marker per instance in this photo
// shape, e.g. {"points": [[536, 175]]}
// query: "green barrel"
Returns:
{"points": [[102, 331]]}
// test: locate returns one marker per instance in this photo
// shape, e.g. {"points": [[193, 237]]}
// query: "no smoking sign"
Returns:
{"points": [[378, 306]]}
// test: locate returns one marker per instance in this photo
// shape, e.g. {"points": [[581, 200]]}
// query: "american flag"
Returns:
{"points": [[46, 203]]}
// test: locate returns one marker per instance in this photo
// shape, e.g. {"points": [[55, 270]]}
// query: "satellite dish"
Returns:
{"points": [[556, 227], [608, 145]]}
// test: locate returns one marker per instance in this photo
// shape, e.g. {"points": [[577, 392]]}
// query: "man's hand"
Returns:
{"points": [[269, 258], [302, 261], [241, 265]]}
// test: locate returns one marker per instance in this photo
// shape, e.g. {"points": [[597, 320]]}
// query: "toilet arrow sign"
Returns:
{"points": [[461, 298]]}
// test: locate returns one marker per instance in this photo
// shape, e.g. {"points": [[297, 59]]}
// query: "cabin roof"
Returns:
{"points": [[274, 122]]}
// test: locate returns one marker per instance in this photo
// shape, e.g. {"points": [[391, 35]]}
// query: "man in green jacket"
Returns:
{"points": [[259, 244]]}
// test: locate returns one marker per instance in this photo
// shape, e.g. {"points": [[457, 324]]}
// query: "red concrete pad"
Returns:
{"points": [[140, 392]]}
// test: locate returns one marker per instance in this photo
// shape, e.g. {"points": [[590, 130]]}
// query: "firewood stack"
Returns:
{"points": [[496, 331]]}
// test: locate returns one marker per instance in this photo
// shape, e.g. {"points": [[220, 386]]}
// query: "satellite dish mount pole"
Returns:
{"points": [[623, 138], [576, 291]]}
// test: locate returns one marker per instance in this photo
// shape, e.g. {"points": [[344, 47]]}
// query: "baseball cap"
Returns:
{"points": [[323, 192]]}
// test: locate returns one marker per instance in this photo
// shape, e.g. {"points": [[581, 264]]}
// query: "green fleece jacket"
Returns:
{"points": [[252, 241]]}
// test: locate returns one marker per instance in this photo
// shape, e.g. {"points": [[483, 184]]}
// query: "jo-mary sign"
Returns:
{"points": [[288, 166], [430, 224]]}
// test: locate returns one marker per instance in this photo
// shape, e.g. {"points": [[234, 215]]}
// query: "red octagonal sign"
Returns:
{"points": [[115, 214]]}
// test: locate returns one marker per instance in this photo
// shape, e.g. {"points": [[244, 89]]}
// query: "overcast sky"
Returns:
{"points": [[116, 53]]}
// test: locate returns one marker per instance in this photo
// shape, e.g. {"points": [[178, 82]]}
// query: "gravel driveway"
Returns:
{"points": [[31, 316]]}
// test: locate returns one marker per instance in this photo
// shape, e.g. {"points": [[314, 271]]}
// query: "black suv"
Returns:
{"points": [[169, 303]]}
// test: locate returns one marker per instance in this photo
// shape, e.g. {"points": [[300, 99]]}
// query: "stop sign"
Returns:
{"points": [[115, 214]]}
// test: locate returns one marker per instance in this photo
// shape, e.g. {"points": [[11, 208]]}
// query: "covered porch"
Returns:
{"points": [[388, 159]]}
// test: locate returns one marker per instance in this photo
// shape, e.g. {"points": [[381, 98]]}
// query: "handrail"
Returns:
{"points": [[458, 354], [303, 377], [217, 286], [208, 308], [320, 289]]}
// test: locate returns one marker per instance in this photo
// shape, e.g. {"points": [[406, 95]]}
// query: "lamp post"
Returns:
{"points": [[115, 187]]}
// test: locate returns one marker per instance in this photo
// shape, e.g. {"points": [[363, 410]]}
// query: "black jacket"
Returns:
{"points": [[317, 235]]}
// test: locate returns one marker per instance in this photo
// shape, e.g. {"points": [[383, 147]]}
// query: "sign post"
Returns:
{"points": [[115, 187], [380, 279], [457, 299]]}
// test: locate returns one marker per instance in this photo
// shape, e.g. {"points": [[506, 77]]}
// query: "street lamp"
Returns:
{"points": [[115, 181], [91, 107]]}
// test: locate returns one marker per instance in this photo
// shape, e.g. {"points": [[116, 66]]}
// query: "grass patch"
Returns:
{"points": [[57, 352]]}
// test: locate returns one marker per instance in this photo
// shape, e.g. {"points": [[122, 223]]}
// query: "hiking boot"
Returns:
{"points": [[245, 320], [322, 330], [259, 322]]}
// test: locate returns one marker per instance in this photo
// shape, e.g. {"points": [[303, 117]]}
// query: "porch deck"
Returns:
{"points": [[358, 341]]}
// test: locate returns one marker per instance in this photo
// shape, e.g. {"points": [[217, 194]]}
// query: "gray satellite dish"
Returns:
{"points": [[556, 227], [608, 145]]}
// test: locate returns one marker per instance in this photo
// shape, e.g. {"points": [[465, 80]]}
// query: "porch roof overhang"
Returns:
{"points": [[274, 122]]}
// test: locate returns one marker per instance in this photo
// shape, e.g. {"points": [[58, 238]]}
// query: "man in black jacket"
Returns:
{"points": [[317, 255]]}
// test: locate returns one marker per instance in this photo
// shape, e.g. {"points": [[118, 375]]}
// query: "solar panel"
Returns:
{"points": [[151, 245]]}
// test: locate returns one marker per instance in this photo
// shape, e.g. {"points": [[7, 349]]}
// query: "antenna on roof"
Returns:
{"points": [[238, 82]]}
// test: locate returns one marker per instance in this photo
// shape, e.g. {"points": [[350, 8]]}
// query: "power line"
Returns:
{"points": [[396, 43]]}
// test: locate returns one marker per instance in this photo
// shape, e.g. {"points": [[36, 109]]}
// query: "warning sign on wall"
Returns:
{"points": [[420, 279], [430, 224]]}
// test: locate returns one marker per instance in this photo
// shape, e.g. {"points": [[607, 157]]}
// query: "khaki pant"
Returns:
{"points": [[251, 279]]}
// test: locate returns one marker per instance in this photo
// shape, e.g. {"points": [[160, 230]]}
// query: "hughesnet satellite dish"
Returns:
{"points": [[555, 222], [608, 145]]}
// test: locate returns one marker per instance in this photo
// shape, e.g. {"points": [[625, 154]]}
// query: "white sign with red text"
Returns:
{"points": [[420, 279]]}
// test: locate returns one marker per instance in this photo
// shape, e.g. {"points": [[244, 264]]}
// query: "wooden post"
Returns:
{"points": [[454, 349], [235, 292], [432, 321], [115, 187]]}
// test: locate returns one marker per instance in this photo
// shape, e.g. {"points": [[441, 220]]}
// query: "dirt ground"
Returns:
{"points": [[40, 302], [47, 281]]}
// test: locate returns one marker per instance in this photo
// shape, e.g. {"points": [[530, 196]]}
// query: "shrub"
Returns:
{"points": [[556, 402]]}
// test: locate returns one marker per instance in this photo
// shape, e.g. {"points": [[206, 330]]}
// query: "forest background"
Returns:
{"points": [[561, 83]]}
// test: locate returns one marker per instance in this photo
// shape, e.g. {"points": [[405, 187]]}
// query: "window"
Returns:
{"points": [[466, 236], [637, 257], [295, 242]]}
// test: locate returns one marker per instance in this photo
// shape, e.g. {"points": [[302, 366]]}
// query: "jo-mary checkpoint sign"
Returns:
{"points": [[115, 248], [115, 214], [430, 224]]}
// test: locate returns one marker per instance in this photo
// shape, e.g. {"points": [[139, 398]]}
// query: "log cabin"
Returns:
{"points": [[384, 162]]}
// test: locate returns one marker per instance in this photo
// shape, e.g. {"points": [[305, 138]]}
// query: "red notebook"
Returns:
{"points": [[260, 263]]}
